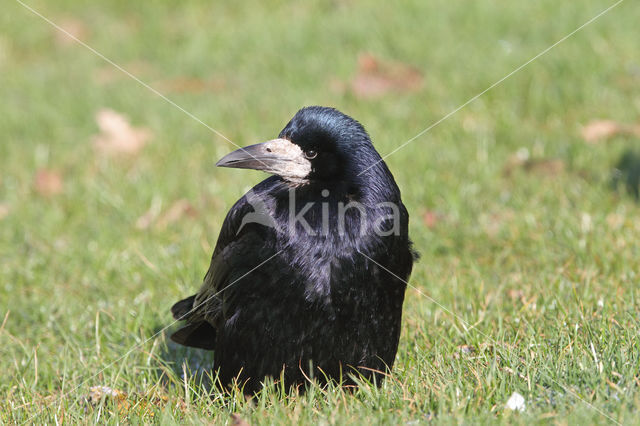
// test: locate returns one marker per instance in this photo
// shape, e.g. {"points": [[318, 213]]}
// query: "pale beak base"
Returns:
{"points": [[279, 156]]}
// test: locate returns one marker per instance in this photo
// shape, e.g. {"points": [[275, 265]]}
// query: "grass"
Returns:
{"points": [[536, 270]]}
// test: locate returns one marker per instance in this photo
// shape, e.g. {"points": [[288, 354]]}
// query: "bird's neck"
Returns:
{"points": [[376, 185]]}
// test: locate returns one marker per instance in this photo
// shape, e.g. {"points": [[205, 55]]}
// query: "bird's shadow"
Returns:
{"points": [[178, 363]]}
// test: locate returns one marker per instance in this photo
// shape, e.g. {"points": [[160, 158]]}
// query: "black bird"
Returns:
{"points": [[307, 278]]}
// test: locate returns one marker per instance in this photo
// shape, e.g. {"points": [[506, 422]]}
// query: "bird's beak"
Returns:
{"points": [[279, 156]]}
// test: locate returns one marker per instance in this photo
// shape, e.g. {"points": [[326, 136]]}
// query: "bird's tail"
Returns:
{"points": [[183, 308], [198, 334]]}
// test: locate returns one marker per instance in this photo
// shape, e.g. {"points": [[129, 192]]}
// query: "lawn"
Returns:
{"points": [[110, 203]]}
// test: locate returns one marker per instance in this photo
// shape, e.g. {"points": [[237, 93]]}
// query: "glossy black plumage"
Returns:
{"points": [[319, 300]]}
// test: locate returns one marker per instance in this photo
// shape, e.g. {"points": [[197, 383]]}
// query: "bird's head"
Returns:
{"points": [[319, 144]]}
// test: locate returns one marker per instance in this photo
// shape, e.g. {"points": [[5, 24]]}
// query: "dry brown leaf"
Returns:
{"points": [[191, 85], [48, 182], [109, 74], [71, 28], [375, 78], [146, 219], [545, 166], [493, 223], [4, 210], [541, 166], [600, 130], [467, 349], [117, 136], [100, 393], [464, 350], [615, 221], [515, 294], [141, 404], [150, 215], [236, 420], [634, 130], [177, 211], [430, 218], [337, 86]]}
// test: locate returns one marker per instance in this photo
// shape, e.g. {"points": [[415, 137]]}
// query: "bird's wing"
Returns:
{"points": [[240, 248], [233, 263]]}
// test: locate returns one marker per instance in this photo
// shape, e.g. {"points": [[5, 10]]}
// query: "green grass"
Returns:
{"points": [[543, 266]]}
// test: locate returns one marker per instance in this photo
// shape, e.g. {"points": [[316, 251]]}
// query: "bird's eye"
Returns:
{"points": [[311, 154]]}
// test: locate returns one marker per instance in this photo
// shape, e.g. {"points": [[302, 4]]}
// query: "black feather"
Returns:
{"points": [[199, 335], [180, 310]]}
